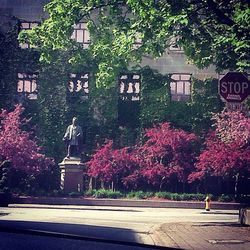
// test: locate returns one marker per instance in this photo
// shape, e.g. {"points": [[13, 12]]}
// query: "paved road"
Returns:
{"points": [[112, 223], [19, 241]]}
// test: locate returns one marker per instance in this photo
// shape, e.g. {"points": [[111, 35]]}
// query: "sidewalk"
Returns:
{"points": [[221, 236]]}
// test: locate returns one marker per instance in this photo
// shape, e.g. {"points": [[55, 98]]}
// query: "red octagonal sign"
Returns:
{"points": [[234, 87]]}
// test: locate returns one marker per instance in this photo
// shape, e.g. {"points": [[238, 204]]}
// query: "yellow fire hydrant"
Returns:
{"points": [[208, 203]]}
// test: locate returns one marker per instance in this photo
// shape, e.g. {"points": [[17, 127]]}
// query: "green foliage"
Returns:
{"points": [[5, 171], [195, 115], [155, 97], [52, 108], [210, 32], [140, 195], [163, 195], [90, 192], [175, 115], [102, 116], [74, 194], [103, 193], [181, 197], [205, 101], [9, 58], [226, 198], [56, 193]]}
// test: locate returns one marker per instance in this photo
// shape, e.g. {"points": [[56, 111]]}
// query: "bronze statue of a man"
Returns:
{"points": [[73, 137]]}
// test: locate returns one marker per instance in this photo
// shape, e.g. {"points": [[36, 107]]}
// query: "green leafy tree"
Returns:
{"points": [[8, 65], [211, 32]]}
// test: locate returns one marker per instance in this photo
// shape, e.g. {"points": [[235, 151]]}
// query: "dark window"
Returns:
{"points": [[129, 87], [79, 83], [129, 100], [27, 85], [180, 86]]}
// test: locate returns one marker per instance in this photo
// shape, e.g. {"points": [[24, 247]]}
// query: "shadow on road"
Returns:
{"points": [[44, 235]]}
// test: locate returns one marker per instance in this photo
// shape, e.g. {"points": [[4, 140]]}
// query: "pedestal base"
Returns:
{"points": [[71, 175]]}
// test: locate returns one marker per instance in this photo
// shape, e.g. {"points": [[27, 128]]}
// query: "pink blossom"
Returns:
{"points": [[17, 146]]}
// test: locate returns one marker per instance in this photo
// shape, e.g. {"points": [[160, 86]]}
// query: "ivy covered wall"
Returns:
{"points": [[101, 114], [155, 97]]}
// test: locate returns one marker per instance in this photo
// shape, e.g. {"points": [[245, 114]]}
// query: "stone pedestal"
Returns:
{"points": [[71, 175]]}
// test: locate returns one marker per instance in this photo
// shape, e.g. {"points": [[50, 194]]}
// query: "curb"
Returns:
{"points": [[123, 203]]}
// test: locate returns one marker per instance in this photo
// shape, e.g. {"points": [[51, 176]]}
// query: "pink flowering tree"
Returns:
{"points": [[227, 149], [167, 155], [111, 166], [17, 145]]}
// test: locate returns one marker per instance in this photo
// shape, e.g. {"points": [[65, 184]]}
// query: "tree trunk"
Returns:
{"points": [[237, 176], [91, 183]]}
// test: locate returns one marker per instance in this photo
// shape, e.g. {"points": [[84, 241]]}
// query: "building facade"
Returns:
{"points": [[133, 105], [30, 13]]}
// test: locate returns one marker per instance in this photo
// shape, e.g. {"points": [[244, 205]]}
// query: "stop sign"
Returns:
{"points": [[234, 87]]}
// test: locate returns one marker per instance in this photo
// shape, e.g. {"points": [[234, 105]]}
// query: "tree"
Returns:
{"points": [[210, 32], [167, 154], [227, 149], [17, 146], [233, 127], [111, 165]]}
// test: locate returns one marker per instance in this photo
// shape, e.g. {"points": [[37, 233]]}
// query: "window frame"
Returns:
{"points": [[81, 27], [132, 88], [75, 79], [184, 95], [27, 78]]}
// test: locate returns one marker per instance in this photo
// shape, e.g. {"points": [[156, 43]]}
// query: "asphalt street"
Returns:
{"points": [[114, 224]]}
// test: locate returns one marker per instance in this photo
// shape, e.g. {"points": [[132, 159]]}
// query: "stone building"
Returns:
{"points": [[28, 13]]}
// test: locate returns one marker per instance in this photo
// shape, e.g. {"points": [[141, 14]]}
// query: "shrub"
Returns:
{"points": [[90, 192], [103, 193], [163, 195], [56, 192], [75, 194], [226, 198], [140, 195]]}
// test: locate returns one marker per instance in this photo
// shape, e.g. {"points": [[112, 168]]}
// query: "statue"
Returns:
{"points": [[73, 137]]}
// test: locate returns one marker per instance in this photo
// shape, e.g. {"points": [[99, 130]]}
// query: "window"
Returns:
{"points": [[27, 85], [129, 87], [129, 100], [27, 26], [79, 83], [81, 34], [180, 86]]}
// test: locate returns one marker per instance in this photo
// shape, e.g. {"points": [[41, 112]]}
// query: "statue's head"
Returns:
{"points": [[74, 121]]}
